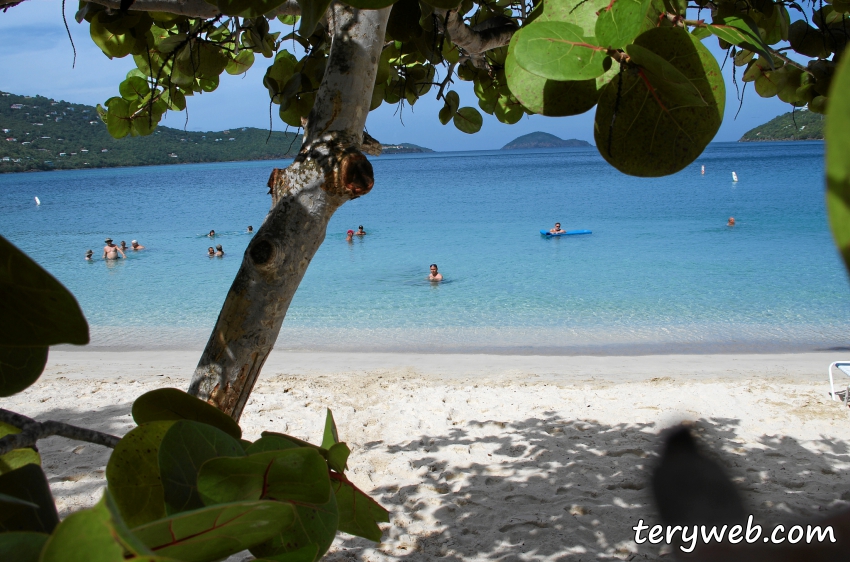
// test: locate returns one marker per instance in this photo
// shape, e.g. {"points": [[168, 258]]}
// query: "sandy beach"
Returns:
{"points": [[496, 457]]}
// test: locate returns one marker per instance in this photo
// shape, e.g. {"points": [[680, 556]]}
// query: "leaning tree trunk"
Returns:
{"points": [[328, 171]]}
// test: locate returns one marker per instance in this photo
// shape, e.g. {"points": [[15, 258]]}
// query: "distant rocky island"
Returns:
{"points": [[403, 148], [542, 140], [799, 125]]}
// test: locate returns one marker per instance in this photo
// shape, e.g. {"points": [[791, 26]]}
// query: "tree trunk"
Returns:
{"points": [[328, 171]]}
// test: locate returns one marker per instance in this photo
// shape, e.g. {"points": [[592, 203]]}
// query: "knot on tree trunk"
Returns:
{"points": [[355, 176]]}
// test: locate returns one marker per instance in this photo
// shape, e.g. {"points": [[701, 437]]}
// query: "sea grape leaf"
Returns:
{"points": [[183, 449], [94, 535], [619, 24], [240, 63], [134, 88], [22, 546], [358, 513], [133, 476], [453, 101], [582, 13], [665, 78], [16, 458], [330, 436], [112, 44], [311, 12], [174, 404], [271, 442], [29, 484], [443, 4], [20, 367], [315, 525], [837, 135], [508, 109], [558, 51], [741, 31], [338, 457], [549, 97], [468, 120], [216, 532], [37, 310], [10, 506], [651, 135], [298, 475], [118, 120]]}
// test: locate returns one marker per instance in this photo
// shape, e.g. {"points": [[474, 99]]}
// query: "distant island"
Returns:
{"points": [[799, 125], [403, 148], [542, 140]]}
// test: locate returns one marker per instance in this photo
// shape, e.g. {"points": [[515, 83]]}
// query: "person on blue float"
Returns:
{"points": [[557, 229]]}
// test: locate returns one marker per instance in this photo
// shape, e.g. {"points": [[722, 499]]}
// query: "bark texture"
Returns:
{"points": [[329, 170], [32, 431]]}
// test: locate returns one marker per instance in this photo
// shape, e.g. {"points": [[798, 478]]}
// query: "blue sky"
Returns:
{"points": [[36, 58]]}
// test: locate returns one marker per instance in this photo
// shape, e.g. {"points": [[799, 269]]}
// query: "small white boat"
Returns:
{"points": [[734, 176], [37, 202]]}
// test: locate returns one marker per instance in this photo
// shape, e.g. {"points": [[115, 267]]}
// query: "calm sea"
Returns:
{"points": [[661, 272]]}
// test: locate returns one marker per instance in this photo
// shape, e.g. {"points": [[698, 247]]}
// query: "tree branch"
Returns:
{"points": [[32, 431], [477, 41], [191, 8]]}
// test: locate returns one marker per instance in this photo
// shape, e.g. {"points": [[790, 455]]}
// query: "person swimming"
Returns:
{"points": [[211, 234], [211, 251], [435, 275], [123, 246], [219, 253], [557, 229], [89, 255], [136, 246], [250, 230], [349, 236], [731, 221], [360, 231]]}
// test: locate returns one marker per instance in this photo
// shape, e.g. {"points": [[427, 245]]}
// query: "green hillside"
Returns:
{"points": [[804, 125], [44, 134], [403, 148]]}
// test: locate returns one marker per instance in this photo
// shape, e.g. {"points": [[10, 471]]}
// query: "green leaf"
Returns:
{"points": [[338, 457], [21, 546], [29, 484], [36, 309], [468, 120], [358, 513], [306, 554], [11, 506], [133, 477], [837, 135], [452, 100], [665, 78], [134, 88], [173, 404], [240, 63], [508, 110], [112, 44], [314, 525], [20, 367], [650, 134], [582, 13], [299, 475], [16, 458], [288, 20], [271, 442], [183, 449], [741, 31], [93, 535], [443, 4], [118, 120], [279, 74], [216, 532], [558, 51], [618, 25], [311, 12], [330, 436], [175, 99], [549, 97]]}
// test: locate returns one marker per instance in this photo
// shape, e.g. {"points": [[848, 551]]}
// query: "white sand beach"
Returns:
{"points": [[496, 457]]}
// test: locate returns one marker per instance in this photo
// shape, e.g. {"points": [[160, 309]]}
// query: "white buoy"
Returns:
{"points": [[703, 170], [37, 202], [734, 176]]}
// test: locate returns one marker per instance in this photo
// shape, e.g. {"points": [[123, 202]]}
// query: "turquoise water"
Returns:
{"points": [[660, 273]]}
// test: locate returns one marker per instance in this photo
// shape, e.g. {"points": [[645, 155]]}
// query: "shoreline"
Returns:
{"points": [[479, 457]]}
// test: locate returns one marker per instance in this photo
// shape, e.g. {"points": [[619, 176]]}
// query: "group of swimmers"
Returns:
{"points": [[112, 251], [435, 274], [218, 252]]}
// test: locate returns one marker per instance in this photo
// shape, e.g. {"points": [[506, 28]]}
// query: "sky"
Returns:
{"points": [[36, 58]]}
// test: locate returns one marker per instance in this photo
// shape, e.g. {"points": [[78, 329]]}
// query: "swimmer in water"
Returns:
{"points": [[349, 236], [123, 246], [89, 255], [360, 231], [211, 251], [435, 275], [219, 253], [250, 230], [731, 221], [211, 234], [557, 229], [136, 246], [111, 251]]}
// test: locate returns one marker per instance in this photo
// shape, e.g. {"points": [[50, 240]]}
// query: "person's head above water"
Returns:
{"points": [[89, 254], [218, 247], [731, 221], [250, 229], [210, 250], [557, 225], [108, 240], [212, 233], [360, 227], [433, 268]]}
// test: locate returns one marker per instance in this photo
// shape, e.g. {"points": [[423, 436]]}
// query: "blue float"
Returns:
{"points": [[567, 233]]}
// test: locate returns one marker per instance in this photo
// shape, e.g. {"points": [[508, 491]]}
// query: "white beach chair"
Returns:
{"points": [[844, 367]]}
